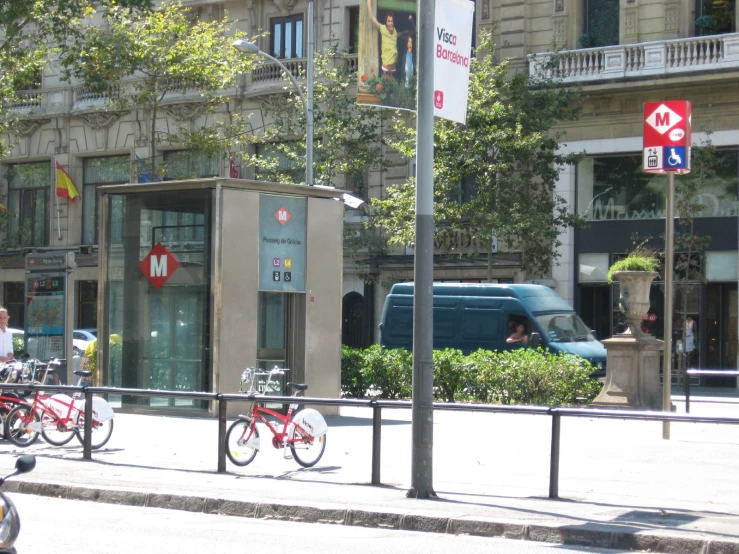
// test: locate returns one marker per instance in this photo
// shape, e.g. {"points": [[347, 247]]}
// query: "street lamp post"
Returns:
{"points": [[249, 48]]}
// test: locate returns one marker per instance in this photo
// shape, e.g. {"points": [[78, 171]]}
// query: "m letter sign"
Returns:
{"points": [[159, 265], [667, 136]]}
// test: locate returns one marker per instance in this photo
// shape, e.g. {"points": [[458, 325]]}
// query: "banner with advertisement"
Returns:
{"points": [[452, 56], [387, 61]]}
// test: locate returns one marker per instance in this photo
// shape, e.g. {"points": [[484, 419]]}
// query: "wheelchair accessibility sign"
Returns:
{"points": [[667, 137]]}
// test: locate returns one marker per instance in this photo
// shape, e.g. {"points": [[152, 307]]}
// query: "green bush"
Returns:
{"points": [[387, 373], [453, 372], [522, 376], [352, 380], [17, 347]]}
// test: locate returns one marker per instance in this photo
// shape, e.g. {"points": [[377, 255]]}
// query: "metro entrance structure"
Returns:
{"points": [[202, 278]]}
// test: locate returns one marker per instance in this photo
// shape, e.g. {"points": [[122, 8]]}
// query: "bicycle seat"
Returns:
{"points": [[298, 386], [82, 373]]}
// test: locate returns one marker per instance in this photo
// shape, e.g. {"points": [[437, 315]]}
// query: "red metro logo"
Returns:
{"points": [[159, 265]]}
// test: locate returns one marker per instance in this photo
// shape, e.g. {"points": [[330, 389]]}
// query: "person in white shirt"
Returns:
{"points": [[6, 337]]}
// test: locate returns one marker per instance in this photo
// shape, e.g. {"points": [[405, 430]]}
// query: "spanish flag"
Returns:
{"points": [[64, 186]]}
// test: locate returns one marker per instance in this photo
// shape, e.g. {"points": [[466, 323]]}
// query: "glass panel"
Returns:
{"points": [[593, 268], [299, 38], [289, 40], [185, 164], [601, 21], [277, 40], [164, 330], [722, 266], [271, 333], [89, 214]]}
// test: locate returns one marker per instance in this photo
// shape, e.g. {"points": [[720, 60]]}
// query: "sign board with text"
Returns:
{"points": [[282, 234], [667, 136]]}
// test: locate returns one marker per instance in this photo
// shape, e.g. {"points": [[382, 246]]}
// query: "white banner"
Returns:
{"points": [[452, 50]]}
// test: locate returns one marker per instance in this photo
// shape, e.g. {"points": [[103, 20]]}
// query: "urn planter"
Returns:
{"points": [[633, 300]]}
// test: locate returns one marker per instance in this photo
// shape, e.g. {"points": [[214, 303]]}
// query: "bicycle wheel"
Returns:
{"points": [[17, 425], [101, 432], [242, 442], [306, 450], [55, 431]]}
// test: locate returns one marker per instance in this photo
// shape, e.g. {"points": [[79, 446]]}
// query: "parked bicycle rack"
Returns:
{"points": [[377, 405]]}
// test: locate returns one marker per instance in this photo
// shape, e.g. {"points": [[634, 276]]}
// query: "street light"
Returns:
{"points": [[249, 48]]}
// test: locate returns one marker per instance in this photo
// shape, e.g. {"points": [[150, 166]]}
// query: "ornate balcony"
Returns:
{"points": [[646, 59]]}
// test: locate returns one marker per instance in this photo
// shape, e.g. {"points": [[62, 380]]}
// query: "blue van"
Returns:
{"points": [[473, 316]]}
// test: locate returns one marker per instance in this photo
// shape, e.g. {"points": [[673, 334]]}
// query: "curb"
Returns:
{"points": [[594, 535]]}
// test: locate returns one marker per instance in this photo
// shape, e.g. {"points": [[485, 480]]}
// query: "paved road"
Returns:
{"points": [[87, 528], [618, 478]]}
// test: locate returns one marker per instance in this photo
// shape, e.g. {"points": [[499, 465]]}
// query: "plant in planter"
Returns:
{"points": [[635, 274]]}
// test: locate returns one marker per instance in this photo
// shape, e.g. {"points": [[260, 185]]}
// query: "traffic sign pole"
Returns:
{"points": [[667, 143], [669, 265]]}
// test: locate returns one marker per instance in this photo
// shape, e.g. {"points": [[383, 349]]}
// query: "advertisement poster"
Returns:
{"points": [[387, 61], [452, 49]]}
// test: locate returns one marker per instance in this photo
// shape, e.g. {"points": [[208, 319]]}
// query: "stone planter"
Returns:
{"points": [[634, 297]]}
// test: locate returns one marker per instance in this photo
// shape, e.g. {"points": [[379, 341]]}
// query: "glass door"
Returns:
{"points": [[721, 332], [177, 326]]}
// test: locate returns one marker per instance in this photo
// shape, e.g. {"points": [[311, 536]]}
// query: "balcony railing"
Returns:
{"points": [[270, 72], [83, 95], [647, 59], [26, 100]]}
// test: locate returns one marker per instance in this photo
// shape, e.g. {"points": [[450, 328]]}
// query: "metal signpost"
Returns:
{"points": [[667, 144]]}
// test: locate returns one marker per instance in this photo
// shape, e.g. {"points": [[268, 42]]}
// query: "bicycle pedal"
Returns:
{"points": [[288, 456]]}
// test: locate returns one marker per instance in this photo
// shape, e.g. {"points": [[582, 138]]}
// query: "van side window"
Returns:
{"points": [[519, 331]]}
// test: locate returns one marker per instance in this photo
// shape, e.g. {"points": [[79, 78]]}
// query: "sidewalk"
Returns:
{"points": [[621, 485]]}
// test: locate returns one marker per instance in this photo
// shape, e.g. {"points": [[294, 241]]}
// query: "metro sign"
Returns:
{"points": [[159, 265], [667, 137], [282, 215]]}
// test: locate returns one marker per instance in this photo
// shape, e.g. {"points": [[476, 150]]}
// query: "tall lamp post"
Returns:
{"points": [[249, 48]]}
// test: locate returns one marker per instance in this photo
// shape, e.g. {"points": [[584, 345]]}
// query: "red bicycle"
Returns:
{"points": [[59, 417], [304, 434]]}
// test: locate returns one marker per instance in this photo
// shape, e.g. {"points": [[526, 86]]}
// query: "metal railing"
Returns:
{"points": [[646, 59], [705, 373], [222, 401]]}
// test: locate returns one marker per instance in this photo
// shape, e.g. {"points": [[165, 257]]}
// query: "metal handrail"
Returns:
{"points": [[556, 413]]}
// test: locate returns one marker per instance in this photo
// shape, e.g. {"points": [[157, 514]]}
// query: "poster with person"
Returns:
{"points": [[387, 61]]}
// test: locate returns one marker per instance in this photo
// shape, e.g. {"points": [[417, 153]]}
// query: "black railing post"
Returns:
{"points": [[687, 391], [376, 442], [554, 456], [222, 410], [87, 428]]}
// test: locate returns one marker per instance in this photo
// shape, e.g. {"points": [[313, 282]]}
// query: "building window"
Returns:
{"points": [[615, 188], [468, 187], [189, 164], [287, 37], [353, 46], [600, 23], [101, 171], [282, 166], [14, 293], [87, 308], [714, 17], [28, 200]]}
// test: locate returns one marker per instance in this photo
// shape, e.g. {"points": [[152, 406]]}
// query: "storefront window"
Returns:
{"points": [[615, 188]]}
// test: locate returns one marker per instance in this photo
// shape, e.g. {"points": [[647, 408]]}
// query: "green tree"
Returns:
{"points": [[30, 31], [348, 137], [510, 148], [152, 53]]}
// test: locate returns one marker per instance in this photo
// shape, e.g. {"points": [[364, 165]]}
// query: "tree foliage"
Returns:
{"points": [[510, 149], [347, 138], [140, 56], [30, 32]]}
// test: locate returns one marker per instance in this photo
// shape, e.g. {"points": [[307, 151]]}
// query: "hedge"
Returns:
{"points": [[521, 376]]}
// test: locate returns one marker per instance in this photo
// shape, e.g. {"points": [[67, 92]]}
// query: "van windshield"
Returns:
{"points": [[567, 327]]}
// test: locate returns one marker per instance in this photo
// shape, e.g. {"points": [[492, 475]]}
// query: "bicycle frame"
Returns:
{"points": [[260, 413]]}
